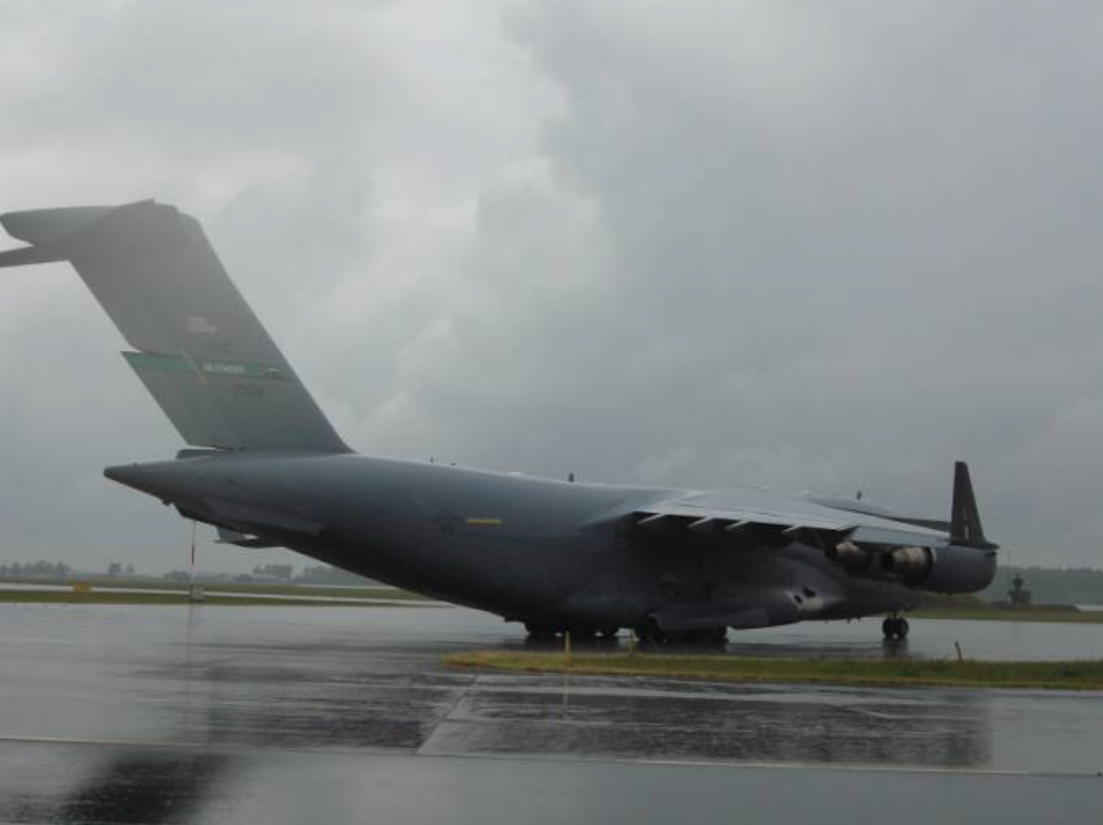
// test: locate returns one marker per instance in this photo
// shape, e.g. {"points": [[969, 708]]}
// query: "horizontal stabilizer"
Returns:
{"points": [[29, 255], [50, 227]]}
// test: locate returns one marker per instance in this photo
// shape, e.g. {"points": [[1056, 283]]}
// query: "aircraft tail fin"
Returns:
{"points": [[199, 348], [965, 526]]}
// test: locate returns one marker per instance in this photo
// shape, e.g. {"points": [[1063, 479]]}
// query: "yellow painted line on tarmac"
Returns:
{"points": [[483, 522]]}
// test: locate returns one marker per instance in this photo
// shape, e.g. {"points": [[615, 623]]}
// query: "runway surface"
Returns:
{"points": [[223, 714]]}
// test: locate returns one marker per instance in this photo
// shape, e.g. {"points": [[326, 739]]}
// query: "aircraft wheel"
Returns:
{"points": [[539, 631], [716, 636], [895, 627], [649, 633]]}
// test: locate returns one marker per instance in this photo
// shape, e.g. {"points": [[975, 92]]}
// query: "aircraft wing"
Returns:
{"points": [[761, 516]]}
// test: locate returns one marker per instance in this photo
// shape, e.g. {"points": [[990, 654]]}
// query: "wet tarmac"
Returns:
{"points": [[221, 714]]}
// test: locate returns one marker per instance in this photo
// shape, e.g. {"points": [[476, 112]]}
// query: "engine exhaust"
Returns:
{"points": [[849, 556], [910, 564]]}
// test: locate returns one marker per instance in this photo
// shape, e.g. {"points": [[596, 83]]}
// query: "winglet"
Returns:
{"points": [[965, 527]]}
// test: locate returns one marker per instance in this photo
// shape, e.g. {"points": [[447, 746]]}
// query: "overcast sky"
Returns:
{"points": [[816, 246]]}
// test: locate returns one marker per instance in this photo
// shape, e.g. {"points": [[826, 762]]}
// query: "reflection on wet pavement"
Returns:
{"points": [[131, 787], [372, 680], [84, 784], [200, 695], [192, 696], [667, 720]]}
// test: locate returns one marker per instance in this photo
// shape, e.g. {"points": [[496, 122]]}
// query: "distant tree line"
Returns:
{"points": [[266, 573], [316, 574], [324, 574], [1071, 585], [279, 572], [34, 570]]}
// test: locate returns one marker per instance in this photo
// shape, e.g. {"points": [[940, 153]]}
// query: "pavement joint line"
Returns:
{"points": [[461, 694], [555, 758]]}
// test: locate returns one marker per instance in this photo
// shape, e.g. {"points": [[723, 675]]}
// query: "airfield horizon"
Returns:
{"points": [[126, 590]]}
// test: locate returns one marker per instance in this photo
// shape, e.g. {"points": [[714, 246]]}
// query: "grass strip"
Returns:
{"points": [[245, 589], [1066, 675], [155, 598], [996, 615]]}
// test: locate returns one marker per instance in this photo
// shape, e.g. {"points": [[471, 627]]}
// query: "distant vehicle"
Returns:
{"points": [[555, 555]]}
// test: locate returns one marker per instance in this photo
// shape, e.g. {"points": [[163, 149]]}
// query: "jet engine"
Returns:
{"points": [[911, 565], [951, 569], [850, 556]]}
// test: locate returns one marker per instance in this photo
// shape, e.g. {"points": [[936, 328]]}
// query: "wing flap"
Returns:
{"points": [[774, 525], [742, 525]]}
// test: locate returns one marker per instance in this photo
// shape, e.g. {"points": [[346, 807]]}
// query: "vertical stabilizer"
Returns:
{"points": [[965, 527], [200, 350]]}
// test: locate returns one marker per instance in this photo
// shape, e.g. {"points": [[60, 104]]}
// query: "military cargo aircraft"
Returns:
{"points": [[266, 468]]}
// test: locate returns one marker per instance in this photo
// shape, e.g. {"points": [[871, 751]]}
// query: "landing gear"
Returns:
{"points": [[714, 636], [895, 627], [539, 632], [649, 633], [580, 634]]}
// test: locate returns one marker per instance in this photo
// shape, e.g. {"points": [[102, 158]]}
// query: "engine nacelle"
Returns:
{"points": [[952, 569], [850, 556], [911, 565]]}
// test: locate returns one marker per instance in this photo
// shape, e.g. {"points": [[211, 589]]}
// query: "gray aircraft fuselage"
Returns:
{"points": [[546, 552]]}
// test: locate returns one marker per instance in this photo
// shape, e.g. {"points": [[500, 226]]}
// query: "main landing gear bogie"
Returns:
{"points": [[650, 634], [895, 628], [580, 634]]}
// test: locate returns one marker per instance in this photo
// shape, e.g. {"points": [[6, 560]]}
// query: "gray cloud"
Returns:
{"points": [[780, 243]]}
